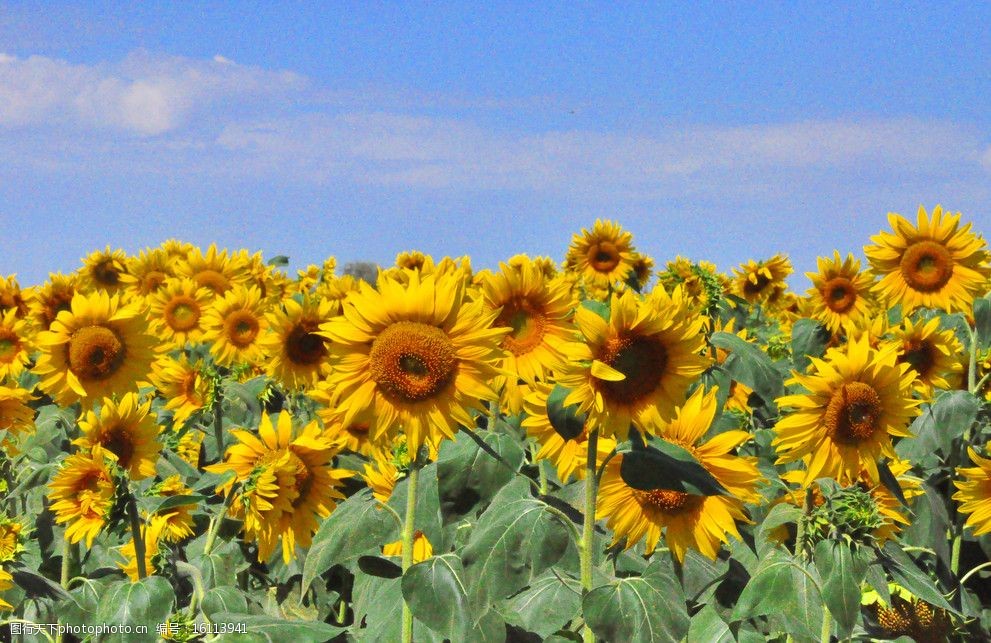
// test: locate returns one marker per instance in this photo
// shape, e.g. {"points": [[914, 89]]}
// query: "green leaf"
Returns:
{"points": [[929, 525], [84, 598], [708, 626], [665, 465], [787, 590], [270, 629], [634, 609], [378, 602], [982, 321], [468, 477], [357, 526], [842, 569], [279, 261], [223, 599], [946, 419], [172, 502], [436, 594], [515, 540], [906, 573], [890, 482], [780, 514], [147, 602], [221, 565], [36, 585], [750, 365], [427, 517], [566, 420], [548, 603], [600, 308], [379, 566], [808, 339]]}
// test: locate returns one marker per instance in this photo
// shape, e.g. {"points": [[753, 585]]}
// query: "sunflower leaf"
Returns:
{"points": [[172, 502], [906, 573], [982, 321], [260, 628], [750, 365], [637, 609], [842, 569], [600, 308], [890, 482], [147, 602], [808, 339], [548, 603], [786, 589], [664, 465], [436, 594], [566, 420]]}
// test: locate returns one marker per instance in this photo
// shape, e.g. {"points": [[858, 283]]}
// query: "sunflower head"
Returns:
{"points": [[12, 297], [760, 281], [15, 345], [603, 256], [82, 494], [840, 294], [51, 298], [931, 353], [183, 384], [298, 352], [102, 271], [13, 534], [125, 431], [147, 272], [235, 327], [214, 270], [911, 617]]}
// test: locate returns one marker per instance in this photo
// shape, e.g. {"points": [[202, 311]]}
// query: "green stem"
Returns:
{"points": [[966, 577], [69, 551], [801, 531], [972, 366], [194, 574], [139, 541], [588, 524], [955, 553], [414, 474], [825, 634], [211, 534], [218, 422]]}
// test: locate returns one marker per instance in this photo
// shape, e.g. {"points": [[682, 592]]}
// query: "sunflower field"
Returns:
{"points": [[198, 446]]}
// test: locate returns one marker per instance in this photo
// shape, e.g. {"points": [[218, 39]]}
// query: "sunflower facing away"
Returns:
{"points": [[235, 327], [840, 294], [82, 494], [177, 522], [289, 483], [603, 255], [98, 348], [936, 264], [127, 430], [689, 521], [151, 534], [636, 365], [857, 399], [177, 311], [15, 415], [297, 352], [416, 353]]}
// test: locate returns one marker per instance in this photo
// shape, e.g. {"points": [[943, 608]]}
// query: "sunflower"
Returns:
{"points": [[689, 521], [931, 353], [759, 281], [381, 476], [6, 582], [177, 311], [974, 493], [147, 272], [182, 385], [99, 348], [353, 436], [102, 270], [857, 399], [151, 534], [546, 265], [840, 293], [177, 523], [235, 327], [15, 345], [636, 365], [911, 617], [701, 282], [935, 264], [422, 549], [213, 270], [12, 297], [12, 537], [289, 483], [603, 255], [82, 493], [127, 430], [189, 447], [48, 300], [297, 352], [418, 354], [538, 312], [16, 416], [336, 289]]}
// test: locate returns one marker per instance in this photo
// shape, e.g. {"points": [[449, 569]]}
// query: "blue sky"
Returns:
{"points": [[712, 130]]}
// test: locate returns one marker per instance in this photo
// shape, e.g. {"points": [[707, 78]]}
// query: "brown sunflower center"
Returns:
{"points": [[304, 478], [54, 305], [853, 413], [188, 387], [241, 328], [152, 280], [920, 355], [182, 313], [603, 256], [304, 346], [662, 499], [753, 288], [839, 294], [118, 441], [10, 345], [411, 361], [529, 323], [95, 352], [927, 266], [642, 360], [106, 273], [358, 429], [214, 280]]}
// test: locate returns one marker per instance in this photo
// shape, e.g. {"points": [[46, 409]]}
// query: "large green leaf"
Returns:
{"points": [[750, 365], [357, 526], [665, 465], [147, 602], [515, 540], [435, 592], [635, 609], [221, 565], [270, 629], [223, 599], [842, 569], [468, 477], [906, 573], [708, 626], [808, 339], [548, 603], [935, 429], [566, 420], [786, 589], [982, 321], [427, 517], [378, 606]]}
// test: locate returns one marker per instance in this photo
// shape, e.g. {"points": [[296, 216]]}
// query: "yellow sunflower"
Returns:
{"points": [[235, 327], [931, 353], [297, 352], [546, 265], [127, 430], [416, 353], [12, 537], [353, 436], [935, 264], [6, 582], [603, 255], [189, 447], [51, 298], [974, 493], [568, 456], [151, 534], [102, 270], [701, 282], [15, 345], [422, 549], [636, 365], [177, 311], [82, 493], [857, 399], [290, 485], [99, 348], [759, 281], [12, 297], [182, 385], [147, 272], [381, 476], [16, 416], [840, 293], [336, 289], [177, 522], [689, 521], [213, 270], [538, 312]]}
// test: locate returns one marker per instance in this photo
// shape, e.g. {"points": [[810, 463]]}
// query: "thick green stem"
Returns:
{"points": [[211, 534], [588, 524], [218, 422], [69, 551], [801, 535], [825, 634], [955, 552], [139, 541], [408, 531], [193, 572], [972, 366]]}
